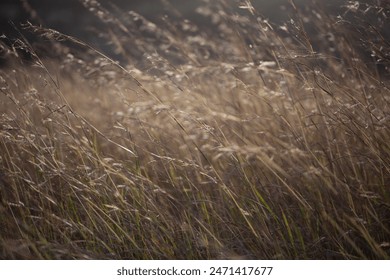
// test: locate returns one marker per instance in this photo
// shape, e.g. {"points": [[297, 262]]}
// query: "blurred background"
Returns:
{"points": [[72, 18], [81, 18]]}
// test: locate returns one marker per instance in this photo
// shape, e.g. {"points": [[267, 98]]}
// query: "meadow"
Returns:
{"points": [[233, 139]]}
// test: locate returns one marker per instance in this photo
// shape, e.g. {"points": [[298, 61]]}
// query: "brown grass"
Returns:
{"points": [[240, 140]]}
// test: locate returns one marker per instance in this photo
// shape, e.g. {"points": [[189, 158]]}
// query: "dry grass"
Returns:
{"points": [[242, 140]]}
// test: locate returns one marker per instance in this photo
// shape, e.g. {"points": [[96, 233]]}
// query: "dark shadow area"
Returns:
{"points": [[93, 21]]}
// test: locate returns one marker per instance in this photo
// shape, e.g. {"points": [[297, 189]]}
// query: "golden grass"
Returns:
{"points": [[218, 157]]}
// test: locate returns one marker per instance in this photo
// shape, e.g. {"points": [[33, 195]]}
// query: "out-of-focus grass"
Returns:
{"points": [[242, 141]]}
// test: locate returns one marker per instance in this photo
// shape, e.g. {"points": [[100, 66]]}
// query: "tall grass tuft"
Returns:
{"points": [[233, 139]]}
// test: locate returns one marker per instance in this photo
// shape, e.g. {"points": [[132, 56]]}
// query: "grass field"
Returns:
{"points": [[234, 140]]}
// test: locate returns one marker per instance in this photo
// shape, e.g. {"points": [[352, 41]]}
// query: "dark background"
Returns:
{"points": [[69, 16], [72, 18]]}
